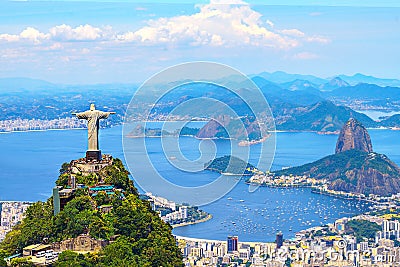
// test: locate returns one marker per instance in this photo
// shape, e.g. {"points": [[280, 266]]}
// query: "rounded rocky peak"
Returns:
{"points": [[353, 135]]}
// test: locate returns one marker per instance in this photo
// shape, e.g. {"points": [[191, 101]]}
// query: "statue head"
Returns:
{"points": [[92, 107]]}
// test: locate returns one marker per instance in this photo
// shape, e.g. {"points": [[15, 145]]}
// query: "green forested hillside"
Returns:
{"points": [[323, 116], [230, 164], [141, 237], [353, 171]]}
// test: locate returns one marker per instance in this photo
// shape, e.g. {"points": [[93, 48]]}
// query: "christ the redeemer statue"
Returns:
{"points": [[93, 117]]}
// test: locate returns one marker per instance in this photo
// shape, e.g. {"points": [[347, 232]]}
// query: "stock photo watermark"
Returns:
{"points": [[338, 252], [204, 92]]}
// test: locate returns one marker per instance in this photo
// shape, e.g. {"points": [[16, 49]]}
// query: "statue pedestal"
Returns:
{"points": [[93, 155]]}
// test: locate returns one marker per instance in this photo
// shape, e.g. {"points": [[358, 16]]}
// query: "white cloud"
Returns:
{"points": [[318, 39], [228, 2], [81, 33], [315, 14], [305, 56], [53, 47], [270, 23], [9, 37], [293, 32], [222, 23], [139, 8], [33, 35], [61, 33], [29, 34], [216, 24]]}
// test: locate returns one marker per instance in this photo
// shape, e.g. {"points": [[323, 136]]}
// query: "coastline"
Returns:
{"points": [[314, 190], [256, 142], [280, 186], [54, 129], [209, 217], [43, 130]]}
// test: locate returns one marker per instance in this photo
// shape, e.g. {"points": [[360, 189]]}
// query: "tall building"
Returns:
{"points": [[279, 240], [363, 246], [56, 200], [232, 243], [390, 229]]}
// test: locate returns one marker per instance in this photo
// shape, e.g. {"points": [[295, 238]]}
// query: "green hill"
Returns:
{"points": [[392, 121], [231, 165], [323, 116], [353, 171], [138, 237]]}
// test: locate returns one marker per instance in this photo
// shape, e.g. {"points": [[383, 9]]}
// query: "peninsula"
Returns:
{"points": [[353, 169]]}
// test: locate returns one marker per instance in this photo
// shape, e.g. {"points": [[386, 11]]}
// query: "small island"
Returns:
{"points": [[139, 131], [230, 165]]}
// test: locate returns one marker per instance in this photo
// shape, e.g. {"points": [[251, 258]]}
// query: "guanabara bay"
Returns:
{"points": [[204, 133]]}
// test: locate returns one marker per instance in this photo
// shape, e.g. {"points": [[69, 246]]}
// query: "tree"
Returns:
{"points": [[153, 239], [121, 253], [75, 218], [3, 254], [64, 168], [71, 259], [63, 179], [117, 175], [22, 262], [37, 225], [102, 199], [363, 229]]}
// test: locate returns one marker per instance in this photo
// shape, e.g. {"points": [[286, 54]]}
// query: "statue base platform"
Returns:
{"points": [[85, 167], [93, 155]]}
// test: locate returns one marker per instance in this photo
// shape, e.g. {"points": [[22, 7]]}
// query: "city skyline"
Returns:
{"points": [[76, 42]]}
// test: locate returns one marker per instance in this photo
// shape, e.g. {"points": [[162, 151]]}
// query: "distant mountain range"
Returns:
{"points": [[298, 102], [360, 78], [283, 77], [322, 117], [12, 85]]}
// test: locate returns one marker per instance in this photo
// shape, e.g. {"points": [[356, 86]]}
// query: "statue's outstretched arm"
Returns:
{"points": [[104, 115], [81, 115]]}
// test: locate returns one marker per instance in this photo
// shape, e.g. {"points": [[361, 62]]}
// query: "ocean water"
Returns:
{"points": [[29, 164]]}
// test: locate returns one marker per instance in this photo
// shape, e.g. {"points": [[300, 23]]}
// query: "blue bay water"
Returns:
{"points": [[29, 164]]}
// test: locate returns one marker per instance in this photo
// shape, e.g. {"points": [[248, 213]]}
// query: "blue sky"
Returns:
{"points": [[128, 41]]}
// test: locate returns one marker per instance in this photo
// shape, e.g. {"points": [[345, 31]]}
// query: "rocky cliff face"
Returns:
{"points": [[225, 127], [353, 136], [376, 175], [214, 128], [353, 171], [354, 167]]}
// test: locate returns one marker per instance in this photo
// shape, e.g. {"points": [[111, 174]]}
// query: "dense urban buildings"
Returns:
{"points": [[12, 213]]}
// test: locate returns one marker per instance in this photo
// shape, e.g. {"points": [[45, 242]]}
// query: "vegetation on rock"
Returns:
{"points": [[231, 165]]}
